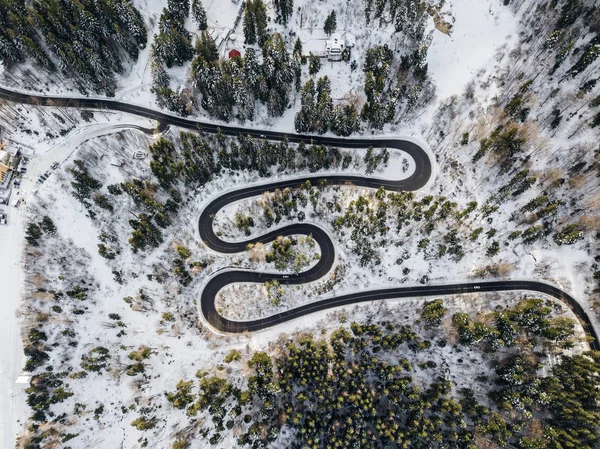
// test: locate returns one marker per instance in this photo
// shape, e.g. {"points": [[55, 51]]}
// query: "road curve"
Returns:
{"points": [[414, 182], [217, 282], [165, 118]]}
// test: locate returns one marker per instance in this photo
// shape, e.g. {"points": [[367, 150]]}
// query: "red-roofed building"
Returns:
{"points": [[234, 54]]}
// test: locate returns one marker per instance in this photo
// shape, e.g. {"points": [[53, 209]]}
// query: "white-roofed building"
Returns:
{"points": [[334, 47]]}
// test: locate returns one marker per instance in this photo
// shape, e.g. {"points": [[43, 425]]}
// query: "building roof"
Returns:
{"points": [[335, 43], [5, 157], [234, 53]]}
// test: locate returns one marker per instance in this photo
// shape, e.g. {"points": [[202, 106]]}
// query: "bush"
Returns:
{"points": [[168, 316], [142, 423], [181, 444], [141, 354], [96, 360], [568, 235], [433, 312], [233, 355], [183, 396], [183, 252]]}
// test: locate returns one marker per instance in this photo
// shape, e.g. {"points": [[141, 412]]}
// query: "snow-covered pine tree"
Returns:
{"points": [[178, 9], [284, 9], [160, 77], [278, 74], [314, 64], [330, 23], [260, 16], [173, 43], [199, 15], [249, 24], [206, 47], [344, 120], [303, 122], [324, 105], [253, 70], [297, 48], [244, 99]]}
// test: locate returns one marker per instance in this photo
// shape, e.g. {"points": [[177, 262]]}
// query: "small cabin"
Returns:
{"points": [[334, 47]]}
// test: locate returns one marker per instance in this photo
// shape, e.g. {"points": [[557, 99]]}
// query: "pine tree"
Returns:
{"points": [[278, 74], [297, 48], [314, 64], [207, 48], [199, 14], [253, 70], [160, 77], [260, 16], [284, 9], [172, 44], [330, 23], [379, 109], [304, 118], [32, 234], [243, 97], [324, 106], [249, 24], [178, 9], [48, 225], [344, 120]]}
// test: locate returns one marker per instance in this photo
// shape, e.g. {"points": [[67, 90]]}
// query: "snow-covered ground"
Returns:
{"points": [[14, 411], [479, 29], [42, 153], [468, 56]]}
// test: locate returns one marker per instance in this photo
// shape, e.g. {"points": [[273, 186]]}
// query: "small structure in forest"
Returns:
{"points": [[234, 54], [334, 47]]}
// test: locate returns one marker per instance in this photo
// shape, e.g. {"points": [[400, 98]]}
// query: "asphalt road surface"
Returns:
{"points": [[322, 268], [418, 179]]}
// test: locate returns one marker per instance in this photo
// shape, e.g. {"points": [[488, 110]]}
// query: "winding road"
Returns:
{"points": [[322, 268], [416, 181]]}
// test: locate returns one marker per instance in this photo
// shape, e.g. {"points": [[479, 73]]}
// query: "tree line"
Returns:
{"points": [[230, 88], [359, 388], [88, 41]]}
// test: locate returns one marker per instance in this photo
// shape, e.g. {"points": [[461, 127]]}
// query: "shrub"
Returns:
{"points": [[142, 423], [168, 316], [183, 252], [568, 235], [234, 355], [183, 396], [433, 312]]}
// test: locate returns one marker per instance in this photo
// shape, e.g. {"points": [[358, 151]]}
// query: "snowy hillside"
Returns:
{"points": [[109, 258]]}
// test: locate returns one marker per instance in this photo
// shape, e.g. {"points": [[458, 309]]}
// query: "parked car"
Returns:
{"points": [[3, 219], [54, 166], [41, 180]]}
